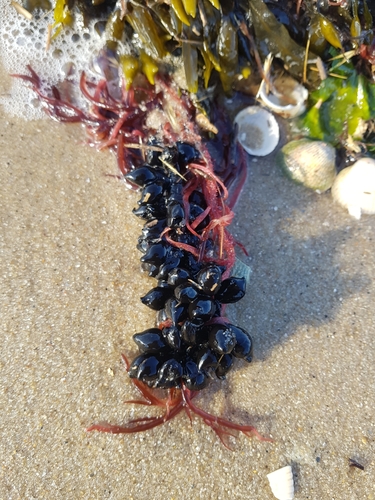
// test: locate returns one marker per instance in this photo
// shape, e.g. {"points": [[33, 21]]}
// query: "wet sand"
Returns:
{"points": [[70, 305]]}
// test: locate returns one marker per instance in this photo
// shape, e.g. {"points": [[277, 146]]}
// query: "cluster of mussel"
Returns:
{"points": [[191, 341]]}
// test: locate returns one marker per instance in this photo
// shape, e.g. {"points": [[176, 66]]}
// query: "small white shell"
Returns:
{"points": [[354, 188], [281, 482], [258, 131], [286, 97]]}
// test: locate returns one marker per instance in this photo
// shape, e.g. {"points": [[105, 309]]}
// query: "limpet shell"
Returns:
{"points": [[311, 163], [282, 484], [354, 188], [257, 131]]}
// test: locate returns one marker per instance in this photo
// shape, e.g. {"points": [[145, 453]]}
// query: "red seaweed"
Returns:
{"points": [[176, 401]]}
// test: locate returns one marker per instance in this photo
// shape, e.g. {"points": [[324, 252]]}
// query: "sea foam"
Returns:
{"points": [[24, 42]]}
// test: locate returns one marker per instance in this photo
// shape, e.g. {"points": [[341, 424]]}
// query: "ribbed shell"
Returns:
{"points": [[282, 484]]}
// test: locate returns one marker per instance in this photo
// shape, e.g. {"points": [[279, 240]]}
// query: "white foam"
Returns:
{"points": [[23, 42]]}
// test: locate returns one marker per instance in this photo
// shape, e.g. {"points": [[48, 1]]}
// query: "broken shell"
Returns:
{"points": [[257, 131], [354, 188], [281, 482], [311, 163], [286, 105], [282, 94]]}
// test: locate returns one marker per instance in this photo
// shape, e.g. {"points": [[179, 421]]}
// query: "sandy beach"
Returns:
{"points": [[69, 305]]}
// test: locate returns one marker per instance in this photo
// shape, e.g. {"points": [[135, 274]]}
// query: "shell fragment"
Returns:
{"points": [[286, 97], [282, 484]]}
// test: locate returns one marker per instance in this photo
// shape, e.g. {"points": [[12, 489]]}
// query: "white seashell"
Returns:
{"points": [[354, 188], [281, 482], [311, 163], [258, 131], [284, 95]]}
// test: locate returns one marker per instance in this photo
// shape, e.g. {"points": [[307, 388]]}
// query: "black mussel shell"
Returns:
{"points": [[188, 239], [244, 344], [149, 368], [218, 307], [163, 284], [157, 297], [186, 293], [206, 360], [161, 317], [172, 337], [221, 339], [134, 366], [171, 263], [225, 364], [152, 194], [178, 276], [176, 311], [150, 340], [153, 228], [149, 212], [176, 215], [143, 244], [209, 279], [169, 374], [231, 290], [175, 193], [186, 154], [189, 332], [145, 175], [150, 269], [194, 379], [189, 262], [156, 254], [201, 310]]}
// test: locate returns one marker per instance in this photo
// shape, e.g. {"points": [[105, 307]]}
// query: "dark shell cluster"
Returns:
{"points": [[191, 341]]}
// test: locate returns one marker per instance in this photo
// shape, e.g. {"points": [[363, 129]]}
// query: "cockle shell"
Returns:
{"points": [[257, 131], [281, 482], [354, 188], [311, 163]]}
